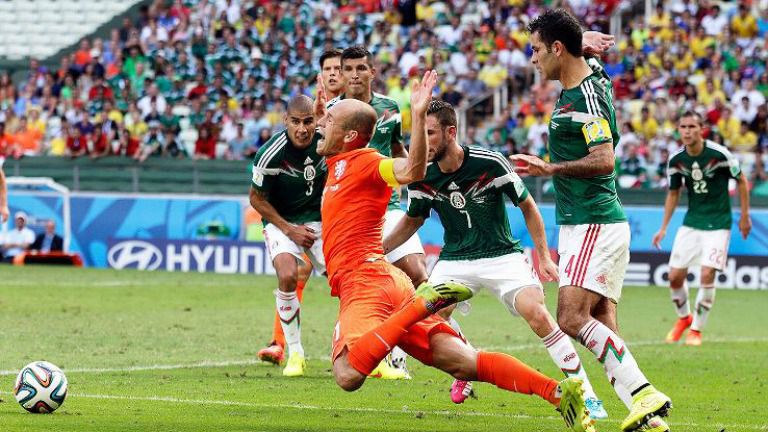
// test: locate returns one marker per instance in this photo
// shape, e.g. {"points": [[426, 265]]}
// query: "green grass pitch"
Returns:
{"points": [[175, 352]]}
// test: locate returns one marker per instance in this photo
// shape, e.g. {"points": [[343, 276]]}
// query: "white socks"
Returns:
{"points": [[613, 353], [289, 310], [680, 299], [704, 301], [564, 355]]}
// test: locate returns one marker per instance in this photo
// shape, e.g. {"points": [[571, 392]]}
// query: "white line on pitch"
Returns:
{"points": [[250, 362], [371, 410]]}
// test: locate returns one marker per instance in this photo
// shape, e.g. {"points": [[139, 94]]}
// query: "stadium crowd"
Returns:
{"points": [[211, 78]]}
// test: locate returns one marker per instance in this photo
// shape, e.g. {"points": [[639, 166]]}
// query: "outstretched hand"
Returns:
{"points": [[421, 93], [531, 165], [320, 100], [596, 43]]}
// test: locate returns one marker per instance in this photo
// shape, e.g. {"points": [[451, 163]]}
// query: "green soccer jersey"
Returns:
{"points": [[291, 179], [388, 130], [706, 178], [470, 204], [584, 117]]}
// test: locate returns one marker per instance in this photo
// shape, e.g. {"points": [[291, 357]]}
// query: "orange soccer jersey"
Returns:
{"points": [[355, 199]]}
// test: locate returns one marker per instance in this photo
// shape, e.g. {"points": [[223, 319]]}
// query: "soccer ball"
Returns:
{"points": [[40, 387]]}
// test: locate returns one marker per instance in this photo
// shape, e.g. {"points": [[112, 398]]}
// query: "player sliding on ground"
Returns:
{"points": [[466, 187], [286, 188], [594, 233], [358, 73], [706, 168], [378, 306]]}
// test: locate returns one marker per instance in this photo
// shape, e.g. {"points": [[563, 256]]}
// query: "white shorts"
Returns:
{"points": [[698, 247], [411, 246], [279, 243], [500, 275], [594, 257]]}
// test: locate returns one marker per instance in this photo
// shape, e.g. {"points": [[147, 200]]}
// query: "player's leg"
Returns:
{"points": [[705, 298], [593, 263], [714, 256], [605, 312], [451, 355], [408, 257], [678, 287], [686, 252], [528, 302], [278, 338], [289, 311]]}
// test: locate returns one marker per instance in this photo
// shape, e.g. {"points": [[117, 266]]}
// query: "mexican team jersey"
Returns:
{"points": [[584, 117], [388, 130], [355, 199], [706, 178], [292, 179], [470, 204]]}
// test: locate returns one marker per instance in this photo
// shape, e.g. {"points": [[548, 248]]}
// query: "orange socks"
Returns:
{"points": [[511, 374], [366, 353], [277, 330]]}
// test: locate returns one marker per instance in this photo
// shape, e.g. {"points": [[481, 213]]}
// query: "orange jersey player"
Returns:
{"points": [[379, 308]]}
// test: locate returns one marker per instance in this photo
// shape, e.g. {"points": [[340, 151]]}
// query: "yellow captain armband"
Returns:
{"points": [[387, 172], [597, 131]]}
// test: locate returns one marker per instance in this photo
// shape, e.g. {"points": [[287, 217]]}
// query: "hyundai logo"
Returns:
{"points": [[135, 254]]}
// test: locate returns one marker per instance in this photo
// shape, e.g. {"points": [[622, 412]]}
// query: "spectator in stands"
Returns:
{"points": [[7, 144], [153, 144], [173, 146], [646, 125], [17, 240], [77, 143], [633, 169], [27, 139], [745, 141], [48, 241], [100, 144], [728, 125], [537, 133], [205, 146], [238, 146]]}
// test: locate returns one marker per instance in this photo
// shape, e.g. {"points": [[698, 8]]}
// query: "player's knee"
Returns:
{"points": [[540, 320], [568, 323], [287, 281], [348, 380], [677, 279], [708, 275]]}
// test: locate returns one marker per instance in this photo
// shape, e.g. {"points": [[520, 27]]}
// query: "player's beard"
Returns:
{"points": [[440, 152]]}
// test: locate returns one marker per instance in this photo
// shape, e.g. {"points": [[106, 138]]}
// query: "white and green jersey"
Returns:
{"points": [[706, 177], [292, 179], [470, 204], [388, 131], [584, 117]]}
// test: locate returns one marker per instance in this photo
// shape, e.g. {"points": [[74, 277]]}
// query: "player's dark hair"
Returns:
{"points": [[332, 53], [444, 112], [558, 25], [357, 52], [693, 114], [300, 104]]}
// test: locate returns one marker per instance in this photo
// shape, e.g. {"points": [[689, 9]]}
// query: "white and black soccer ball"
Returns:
{"points": [[40, 387]]}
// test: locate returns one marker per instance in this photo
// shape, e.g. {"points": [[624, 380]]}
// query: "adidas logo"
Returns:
{"points": [[453, 186], [308, 160]]}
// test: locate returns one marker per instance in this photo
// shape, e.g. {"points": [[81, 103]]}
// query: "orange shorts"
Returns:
{"points": [[372, 293]]}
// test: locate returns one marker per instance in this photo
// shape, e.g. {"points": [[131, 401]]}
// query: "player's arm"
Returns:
{"points": [[670, 203], [404, 230], [745, 222], [414, 167], [599, 161], [299, 234], [535, 224], [3, 197]]}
